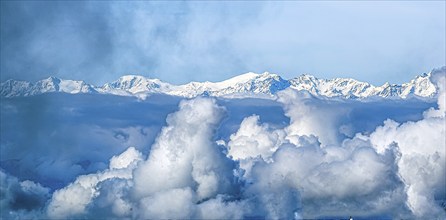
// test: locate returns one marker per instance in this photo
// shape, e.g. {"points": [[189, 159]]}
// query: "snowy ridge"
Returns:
{"points": [[350, 88], [243, 85], [13, 88]]}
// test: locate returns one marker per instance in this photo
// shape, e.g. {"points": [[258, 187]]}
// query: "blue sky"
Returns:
{"points": [[180, 42]]}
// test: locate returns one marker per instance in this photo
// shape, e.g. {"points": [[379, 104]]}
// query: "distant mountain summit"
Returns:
{"points": [[350, 88], [244, 85], [14, 88]]}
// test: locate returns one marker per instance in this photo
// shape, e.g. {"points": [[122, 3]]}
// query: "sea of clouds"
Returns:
{"points": [[297, 156]]}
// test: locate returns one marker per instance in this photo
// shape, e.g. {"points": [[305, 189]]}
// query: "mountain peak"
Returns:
{"points": [[131, 77], [242, 78], [269, 75], [52, 79]]}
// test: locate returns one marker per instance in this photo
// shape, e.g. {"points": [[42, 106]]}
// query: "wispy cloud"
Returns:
{"points": [[183, 41]]}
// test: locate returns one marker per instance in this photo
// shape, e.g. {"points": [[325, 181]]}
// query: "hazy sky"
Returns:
{"points": [[196, 41]]}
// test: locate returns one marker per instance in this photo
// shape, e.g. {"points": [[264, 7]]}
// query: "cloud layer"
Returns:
{"points": [[393, 169]]}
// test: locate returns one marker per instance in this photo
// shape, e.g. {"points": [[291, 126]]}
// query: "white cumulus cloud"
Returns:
{"points": [[324, 163]]}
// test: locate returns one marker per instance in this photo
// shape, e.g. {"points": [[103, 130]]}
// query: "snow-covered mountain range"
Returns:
{"points": [[245, 85]]}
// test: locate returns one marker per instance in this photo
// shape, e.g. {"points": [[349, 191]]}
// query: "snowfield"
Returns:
{"points": [[253, 146]]}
